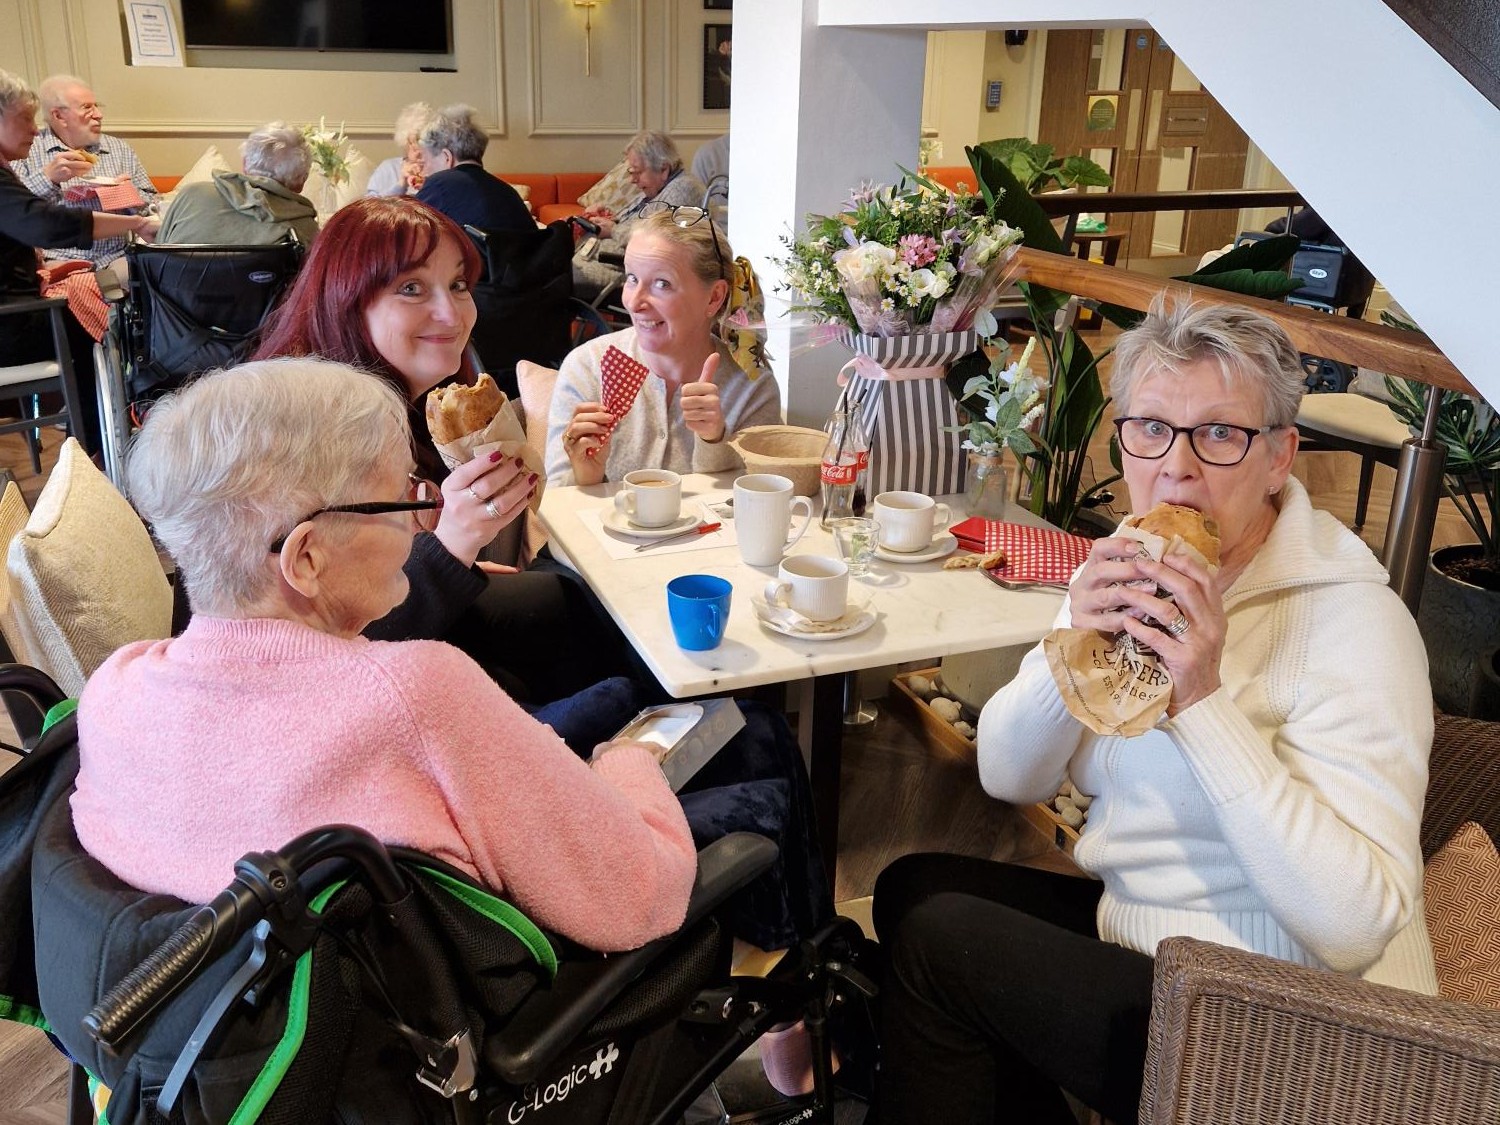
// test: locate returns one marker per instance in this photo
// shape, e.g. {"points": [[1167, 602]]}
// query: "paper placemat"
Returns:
{"points": [[618, 547]]}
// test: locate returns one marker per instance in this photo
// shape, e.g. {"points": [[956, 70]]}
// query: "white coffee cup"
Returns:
{"points": [[650, 498], [763, 504], [814, 586], [909, 520]]}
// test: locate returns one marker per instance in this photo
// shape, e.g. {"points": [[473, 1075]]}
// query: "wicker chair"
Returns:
{"points": [[1242, 1039]]}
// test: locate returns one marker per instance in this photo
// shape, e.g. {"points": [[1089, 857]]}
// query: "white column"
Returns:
{"points": [[815, 111]]}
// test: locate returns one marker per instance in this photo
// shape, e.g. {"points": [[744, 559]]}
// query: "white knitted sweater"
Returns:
{"points": [[1281, 813]]}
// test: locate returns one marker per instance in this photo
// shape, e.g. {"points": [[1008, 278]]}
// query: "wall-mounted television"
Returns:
{"points": [[412, 26]]}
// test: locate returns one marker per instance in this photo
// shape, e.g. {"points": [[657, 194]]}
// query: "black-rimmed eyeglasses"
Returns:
{"points": [[685, 215], [424, 500], [1215, 443]]}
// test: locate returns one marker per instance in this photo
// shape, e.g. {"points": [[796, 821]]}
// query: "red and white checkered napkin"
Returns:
{"points": [[620, 380], [119, 197], [1032, 554]]}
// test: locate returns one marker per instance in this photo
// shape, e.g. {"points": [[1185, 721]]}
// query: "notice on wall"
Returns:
{"points": [[154, 40]]}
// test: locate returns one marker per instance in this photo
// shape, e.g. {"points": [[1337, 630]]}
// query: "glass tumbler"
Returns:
{"points": [[856, 538]]}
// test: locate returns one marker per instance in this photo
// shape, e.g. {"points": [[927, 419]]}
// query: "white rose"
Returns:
{"points": [[926, 283], [865, 262]]}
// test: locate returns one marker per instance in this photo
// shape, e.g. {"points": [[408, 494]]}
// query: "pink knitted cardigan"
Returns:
{"points": [[239, 735]]}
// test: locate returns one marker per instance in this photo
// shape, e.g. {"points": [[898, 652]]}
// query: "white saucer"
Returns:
{"points": [[615, 520], [857, 621], [943, 544]]}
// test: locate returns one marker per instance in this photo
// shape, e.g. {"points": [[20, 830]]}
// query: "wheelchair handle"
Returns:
{"points": [[263, 883], [210, 930]]}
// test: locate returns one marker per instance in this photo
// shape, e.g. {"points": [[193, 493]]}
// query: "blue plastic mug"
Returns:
{"points": [[699, 607]]}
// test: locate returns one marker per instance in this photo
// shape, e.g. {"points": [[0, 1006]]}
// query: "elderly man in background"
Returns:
{"points": [[262, 204], [71, 146], [452, 146], [655, 167], [403, 175]]}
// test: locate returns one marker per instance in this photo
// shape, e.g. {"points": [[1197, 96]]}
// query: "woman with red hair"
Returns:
{"points": [[386, 288]]}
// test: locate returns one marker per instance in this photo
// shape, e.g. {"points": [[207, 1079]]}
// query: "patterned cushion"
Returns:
{"points": [[614, 192], [1462, 887], [85, 573]]}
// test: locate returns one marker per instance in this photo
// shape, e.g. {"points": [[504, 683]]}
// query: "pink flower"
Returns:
{"points": [[918, 249]]}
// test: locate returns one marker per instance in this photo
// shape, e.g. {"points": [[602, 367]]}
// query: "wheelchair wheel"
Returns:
{"points": [[1326, 376]]}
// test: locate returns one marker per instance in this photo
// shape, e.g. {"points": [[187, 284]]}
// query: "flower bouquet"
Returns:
{"points": [[327, 148], [910, 273]]}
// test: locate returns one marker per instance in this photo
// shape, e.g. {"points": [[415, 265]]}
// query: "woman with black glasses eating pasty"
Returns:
{"points": [[678, 272]]}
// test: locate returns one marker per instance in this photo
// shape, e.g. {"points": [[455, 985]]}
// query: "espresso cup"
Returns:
{"points": [[909, 520], [650, 498], [763, 504], [814, 586], [698, 605]]}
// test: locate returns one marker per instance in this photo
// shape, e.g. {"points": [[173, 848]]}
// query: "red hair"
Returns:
{"points": [[364, 248]]}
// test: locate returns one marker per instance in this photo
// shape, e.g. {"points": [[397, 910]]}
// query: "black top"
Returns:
{"points": [[469, 194], [27, 222]]}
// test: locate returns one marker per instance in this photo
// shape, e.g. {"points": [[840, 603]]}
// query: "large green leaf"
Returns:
{"points": [[1081, 171], [1268, 284], [960, 372], [1257, 254]]}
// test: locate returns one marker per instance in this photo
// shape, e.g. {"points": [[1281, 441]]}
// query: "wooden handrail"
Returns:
{"points": [[1391, 350], [1072, 203]]}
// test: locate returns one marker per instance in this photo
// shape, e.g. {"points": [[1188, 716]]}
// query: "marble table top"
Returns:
{"points": [[922, 610]]}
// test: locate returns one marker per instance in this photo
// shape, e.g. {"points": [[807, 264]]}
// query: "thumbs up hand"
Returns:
{"points": [[700, 403]]}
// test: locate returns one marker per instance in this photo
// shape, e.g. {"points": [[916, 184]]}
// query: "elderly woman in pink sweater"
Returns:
{"points": [[283, 490]]}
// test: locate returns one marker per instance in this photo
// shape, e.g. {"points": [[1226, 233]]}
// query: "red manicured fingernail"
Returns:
{"points": [[496, 457], [531, 479], [520, 462]]}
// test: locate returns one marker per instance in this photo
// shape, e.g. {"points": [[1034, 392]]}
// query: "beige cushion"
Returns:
{"points": [[205, 166], [1354, 418], [536, 383], [523, 190], [85, 573], [13, 517], [1462, 888], [614, 192]]}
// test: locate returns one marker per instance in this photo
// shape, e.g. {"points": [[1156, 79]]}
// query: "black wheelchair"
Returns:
{"points": [[524, 299], [185, 309], [340, 980]]}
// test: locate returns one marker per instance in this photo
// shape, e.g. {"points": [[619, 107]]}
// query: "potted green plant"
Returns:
{"points": [[1037, 167], [1459, 614], [1002, 402]]}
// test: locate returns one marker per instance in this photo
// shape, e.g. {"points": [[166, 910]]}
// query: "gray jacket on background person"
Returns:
{"points": [[237, 209]]}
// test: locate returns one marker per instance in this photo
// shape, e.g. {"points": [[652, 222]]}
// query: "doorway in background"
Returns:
{"points": [[1123, 98]]}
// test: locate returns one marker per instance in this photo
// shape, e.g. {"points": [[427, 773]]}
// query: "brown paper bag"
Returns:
{"points": [[1114, 685]]}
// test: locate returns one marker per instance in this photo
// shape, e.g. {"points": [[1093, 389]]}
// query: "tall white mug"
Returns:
{"points": [[763, 504]]}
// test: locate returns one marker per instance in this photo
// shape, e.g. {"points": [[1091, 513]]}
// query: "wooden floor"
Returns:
{"points": [[897, 797]]}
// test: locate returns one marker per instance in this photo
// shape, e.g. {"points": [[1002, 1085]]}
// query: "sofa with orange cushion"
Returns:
{"points": [[554, 195]]}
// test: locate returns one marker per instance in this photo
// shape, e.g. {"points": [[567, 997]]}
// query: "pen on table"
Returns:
{"points": [[701, 529]]}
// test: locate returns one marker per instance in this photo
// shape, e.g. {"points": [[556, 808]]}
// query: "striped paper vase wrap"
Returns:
{"points": [[920, 350], [904, 416]]}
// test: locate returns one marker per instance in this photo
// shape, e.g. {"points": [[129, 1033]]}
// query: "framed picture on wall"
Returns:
{"points": [[716, 48], [718, 5]]}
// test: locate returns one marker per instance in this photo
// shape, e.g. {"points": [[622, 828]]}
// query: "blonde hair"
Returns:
{"points": [[1248, 348]]}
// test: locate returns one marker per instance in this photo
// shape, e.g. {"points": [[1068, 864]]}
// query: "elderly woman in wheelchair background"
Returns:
{"points": [[28, 223], [679, 270], [286, 494]]}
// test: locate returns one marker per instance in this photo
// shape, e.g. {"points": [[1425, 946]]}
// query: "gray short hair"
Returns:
{"points": [[278, 152], [455, 129], [411, 121], [657, 149], [1247, 347], [226, 466], [14, 92], [53, 88]]}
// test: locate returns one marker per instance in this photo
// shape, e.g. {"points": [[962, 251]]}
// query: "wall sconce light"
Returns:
{"points": [[588, 7]]}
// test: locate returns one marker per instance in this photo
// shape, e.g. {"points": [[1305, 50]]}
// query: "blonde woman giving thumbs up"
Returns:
{"points": [[678, 268]]}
